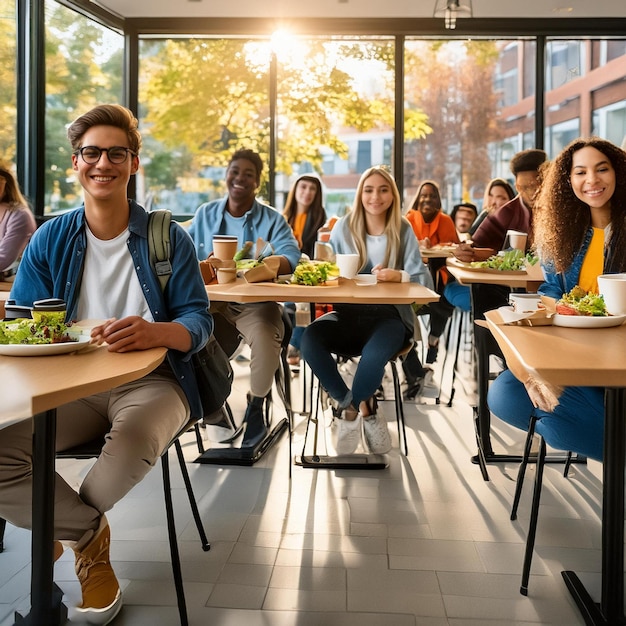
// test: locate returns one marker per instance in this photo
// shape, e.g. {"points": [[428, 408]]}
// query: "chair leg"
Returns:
{"points": [[534, 515], [283, 384], [206, 546], [521, 472], [171, 531], [3, 525], [397, 392], [199, 442]]}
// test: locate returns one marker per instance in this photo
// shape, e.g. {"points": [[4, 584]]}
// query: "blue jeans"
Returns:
{"points": [[376, 335], [458, 295], [576, 424]]}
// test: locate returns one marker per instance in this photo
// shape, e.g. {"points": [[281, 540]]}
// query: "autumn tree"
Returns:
{"points": [[208, 97], [453, 83]]}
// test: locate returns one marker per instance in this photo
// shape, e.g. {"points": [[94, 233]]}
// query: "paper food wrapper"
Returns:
{"points": [[542, 395], [540, 317], [266, 271]]}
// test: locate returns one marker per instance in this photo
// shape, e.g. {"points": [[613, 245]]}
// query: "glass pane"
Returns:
{"points": [[335, 114], [468, 94], [8, 78], [84, 67], [592, 102], [201, 99]]}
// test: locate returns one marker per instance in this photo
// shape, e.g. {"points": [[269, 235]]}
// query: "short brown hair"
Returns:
{"points": [[106, 115]]}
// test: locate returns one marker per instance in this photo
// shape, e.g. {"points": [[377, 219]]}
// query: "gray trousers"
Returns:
{"points": [[261, 325], [138, 421]]}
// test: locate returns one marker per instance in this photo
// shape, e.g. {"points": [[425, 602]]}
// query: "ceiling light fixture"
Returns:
{"points": [[450, 10]]}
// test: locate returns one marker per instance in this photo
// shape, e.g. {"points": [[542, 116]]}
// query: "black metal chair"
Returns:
{"points": [[328, 462], [93, 449], [534, 511]]}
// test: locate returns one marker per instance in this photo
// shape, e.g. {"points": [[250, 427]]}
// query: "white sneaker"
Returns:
{"points": [[345, 435], [376, 434]]}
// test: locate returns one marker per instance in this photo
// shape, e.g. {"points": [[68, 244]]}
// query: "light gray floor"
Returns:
{"points": [[425, 542]]}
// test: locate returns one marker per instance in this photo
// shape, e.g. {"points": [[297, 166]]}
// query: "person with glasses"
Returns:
{"points": [[96, 259], [516, 214]]}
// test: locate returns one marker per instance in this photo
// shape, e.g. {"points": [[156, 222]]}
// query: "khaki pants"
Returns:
{"points": [[138, 421], [261, 325]]}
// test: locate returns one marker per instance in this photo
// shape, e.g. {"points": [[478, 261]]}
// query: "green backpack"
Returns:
{"points": [[214, 374]]}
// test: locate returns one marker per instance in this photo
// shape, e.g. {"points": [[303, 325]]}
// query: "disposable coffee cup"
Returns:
{"points": [[612, 288], [348, 265], [516, 240], [226, 275], [224, 247]]}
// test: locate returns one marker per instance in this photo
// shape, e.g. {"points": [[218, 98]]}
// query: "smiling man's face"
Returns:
{"points": [[241, 181]]}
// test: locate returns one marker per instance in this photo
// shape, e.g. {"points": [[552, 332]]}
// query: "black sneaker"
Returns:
{"points": [[255, 427], [414, 389]]}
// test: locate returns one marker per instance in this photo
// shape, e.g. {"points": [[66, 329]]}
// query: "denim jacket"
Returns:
{"points": [[52, 267], [260, 221], [557, 284]]}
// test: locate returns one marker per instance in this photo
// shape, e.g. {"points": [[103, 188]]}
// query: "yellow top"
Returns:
{"points": [[593, 263]]}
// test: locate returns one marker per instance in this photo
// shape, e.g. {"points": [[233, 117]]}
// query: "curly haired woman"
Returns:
{"points": [[580, 233]]}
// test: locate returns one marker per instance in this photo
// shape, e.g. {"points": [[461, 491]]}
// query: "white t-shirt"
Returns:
{"points": [[110, 287]]}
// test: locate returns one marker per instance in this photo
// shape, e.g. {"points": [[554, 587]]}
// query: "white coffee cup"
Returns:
{"points": [[612, 288], [516, 239], [348, 265]]}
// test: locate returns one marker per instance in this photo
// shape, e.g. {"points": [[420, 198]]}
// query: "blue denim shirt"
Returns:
{"points": [[52, 267], [557, 284], [342, 243], [260, 221]]}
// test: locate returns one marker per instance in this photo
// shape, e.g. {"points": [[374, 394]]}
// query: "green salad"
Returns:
{"points": [[509, 261], [582, 302], [28, 331], [314, 272]]}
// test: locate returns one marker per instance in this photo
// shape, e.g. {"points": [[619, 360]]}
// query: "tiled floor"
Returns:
{"points": [[425, 542]]}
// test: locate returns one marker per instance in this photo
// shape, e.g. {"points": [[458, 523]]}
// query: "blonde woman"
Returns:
{"points": [[387, 248]]}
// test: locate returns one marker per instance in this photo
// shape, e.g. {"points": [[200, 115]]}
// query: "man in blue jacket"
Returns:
{"points": [[240, 214], [96, 258]]}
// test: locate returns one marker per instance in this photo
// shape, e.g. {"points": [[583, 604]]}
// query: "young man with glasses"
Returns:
{"points": [[516, 214], [96, 259]]}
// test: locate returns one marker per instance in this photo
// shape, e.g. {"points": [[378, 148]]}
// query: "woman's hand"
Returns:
{"points": [[387, 275], [424, 244]]}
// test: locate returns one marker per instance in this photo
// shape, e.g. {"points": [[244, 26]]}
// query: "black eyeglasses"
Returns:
{"points": [[92, 154]]}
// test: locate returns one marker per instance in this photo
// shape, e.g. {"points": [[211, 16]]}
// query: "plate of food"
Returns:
{"points": [[73, 344], [509, 262], [579, 309], [40, 337]]}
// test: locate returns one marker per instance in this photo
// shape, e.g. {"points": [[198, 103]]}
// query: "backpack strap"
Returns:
{"points": [[159, 244]]}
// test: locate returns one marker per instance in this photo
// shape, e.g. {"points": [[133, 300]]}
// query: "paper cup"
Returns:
{"points": [[612, 288], [226, 276], [516, 239], [348, 265], [224, 247]]}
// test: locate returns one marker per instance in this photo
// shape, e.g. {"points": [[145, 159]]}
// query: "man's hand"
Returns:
{"points": [[129, 333], [466, 253]]}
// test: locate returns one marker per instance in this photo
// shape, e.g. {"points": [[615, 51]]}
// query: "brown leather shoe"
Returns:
{"points": [[102, 598]]}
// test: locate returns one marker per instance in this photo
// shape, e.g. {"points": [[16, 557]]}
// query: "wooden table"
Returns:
{"points": [[482, 416], [597, 358], [35, 386], [346, 291]]}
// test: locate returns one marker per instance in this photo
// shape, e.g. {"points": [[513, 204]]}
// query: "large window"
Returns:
{"points": [[333, 115], [84, 63], [457, 89], [7, 80]]}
